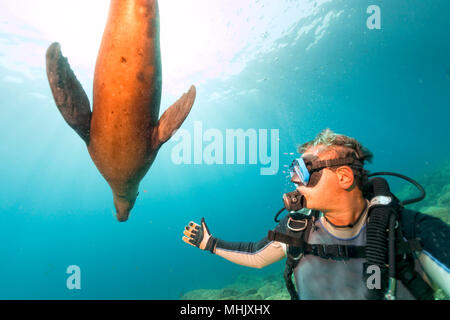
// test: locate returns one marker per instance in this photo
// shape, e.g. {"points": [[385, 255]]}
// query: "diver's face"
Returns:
{"points": [[323, 194]]}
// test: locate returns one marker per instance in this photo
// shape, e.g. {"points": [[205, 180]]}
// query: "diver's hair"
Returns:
{"points": [[343, 146]]}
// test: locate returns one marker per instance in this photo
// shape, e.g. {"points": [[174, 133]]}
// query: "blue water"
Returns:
{"points": [[388, 88]]}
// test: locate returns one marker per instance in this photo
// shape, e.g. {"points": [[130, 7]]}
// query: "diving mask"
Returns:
{"points": [[307, 169]]}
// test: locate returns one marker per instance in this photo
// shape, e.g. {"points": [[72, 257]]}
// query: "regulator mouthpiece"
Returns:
{"points": [[294, 201]]}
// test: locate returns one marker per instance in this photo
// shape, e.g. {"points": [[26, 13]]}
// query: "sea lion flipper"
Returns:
{"points": [[68, 93], [174, 116]]}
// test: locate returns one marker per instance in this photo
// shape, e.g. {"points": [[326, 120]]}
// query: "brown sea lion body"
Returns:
{"points": [[123, 133]]}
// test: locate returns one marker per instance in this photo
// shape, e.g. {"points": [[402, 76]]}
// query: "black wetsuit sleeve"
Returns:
{"points": [[252, 254], [434, 234], [249, 247]]}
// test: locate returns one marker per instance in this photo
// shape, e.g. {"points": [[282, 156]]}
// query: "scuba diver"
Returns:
{"points": [[345, 236]]}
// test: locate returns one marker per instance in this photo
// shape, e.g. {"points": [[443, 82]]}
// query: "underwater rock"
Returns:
{"points": [[270, 287], [437, 186], [442, 213], [202, 294], [228, 292], [268, 290], [250, 292], [444, 199]]}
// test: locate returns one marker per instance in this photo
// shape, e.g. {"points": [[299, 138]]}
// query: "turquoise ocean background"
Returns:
{"points": [[295, 66]]}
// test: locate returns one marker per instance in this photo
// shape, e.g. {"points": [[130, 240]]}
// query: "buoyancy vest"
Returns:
{"points": [[300, 244]]}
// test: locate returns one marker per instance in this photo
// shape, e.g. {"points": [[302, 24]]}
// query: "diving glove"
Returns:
{"points": [[199, 236]]}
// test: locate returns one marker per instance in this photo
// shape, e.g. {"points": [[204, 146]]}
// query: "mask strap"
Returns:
{"points": [[334, 162]]}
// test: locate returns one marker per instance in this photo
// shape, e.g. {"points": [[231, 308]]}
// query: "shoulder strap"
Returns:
{"points": [[298, 229], [297, 233]]}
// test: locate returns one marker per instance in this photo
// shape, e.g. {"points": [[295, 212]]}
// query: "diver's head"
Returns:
{"points": [[330, 168]]}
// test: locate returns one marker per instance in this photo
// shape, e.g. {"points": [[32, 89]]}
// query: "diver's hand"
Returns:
{"points": [[199, 236]]}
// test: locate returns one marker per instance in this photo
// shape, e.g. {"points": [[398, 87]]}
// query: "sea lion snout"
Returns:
{"points": [[123, 207]]}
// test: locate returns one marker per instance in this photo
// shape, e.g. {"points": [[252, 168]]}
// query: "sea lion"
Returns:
{"points": [[123, 133]]}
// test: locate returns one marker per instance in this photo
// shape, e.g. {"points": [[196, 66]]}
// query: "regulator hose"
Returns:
{"points": [[278, 214], [415, 183]]}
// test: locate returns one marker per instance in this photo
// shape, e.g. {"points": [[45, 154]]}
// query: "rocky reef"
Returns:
{"points": [[271, 287], [437, 186]]}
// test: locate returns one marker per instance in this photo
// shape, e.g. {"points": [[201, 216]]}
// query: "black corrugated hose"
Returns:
{"points": [[377, 240]]}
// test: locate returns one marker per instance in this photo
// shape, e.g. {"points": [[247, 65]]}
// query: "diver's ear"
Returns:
{"points": [[345, 177]]}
